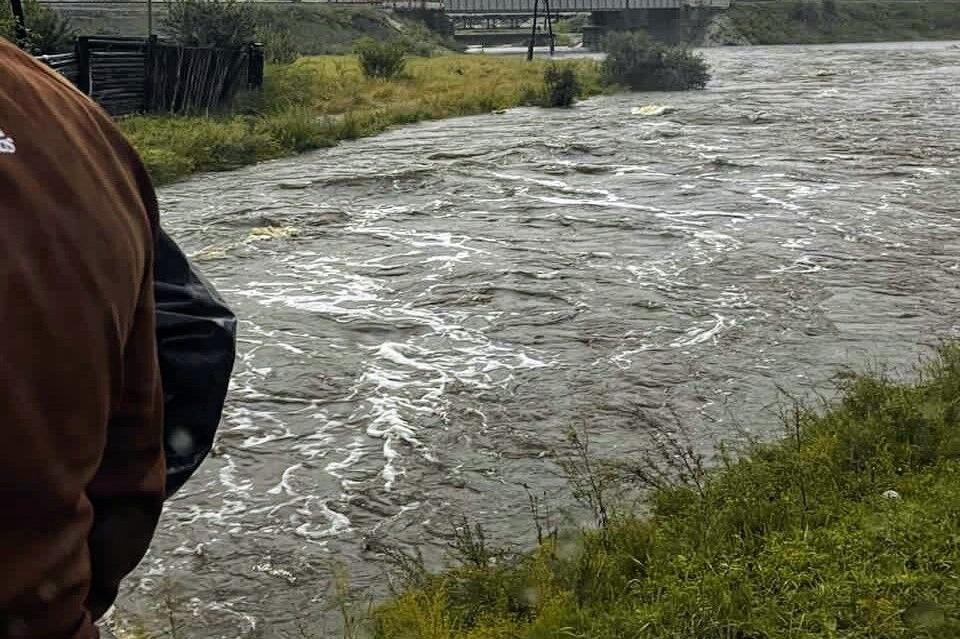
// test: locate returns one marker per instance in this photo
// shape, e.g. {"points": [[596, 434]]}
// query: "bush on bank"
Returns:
{"points": [[384, 60], [635, 61], [847, 528], [561, 86]]}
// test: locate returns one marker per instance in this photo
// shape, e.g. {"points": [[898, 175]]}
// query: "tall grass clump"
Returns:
{"points": [[637, 62], [846, 528], [385, 60]]}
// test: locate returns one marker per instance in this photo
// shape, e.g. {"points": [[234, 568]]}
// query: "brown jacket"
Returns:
{"points": [[81, 453]]}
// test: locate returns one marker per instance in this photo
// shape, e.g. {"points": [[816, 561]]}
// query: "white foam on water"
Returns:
{"points": [[257, 427], [313, 528], [399, 385], [698, 335], [231, 479], [285, 487], [803, 265]]}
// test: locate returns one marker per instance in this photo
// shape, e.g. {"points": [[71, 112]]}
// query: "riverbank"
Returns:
{"points": [[845, 528], [834, 21], [320, 101]]}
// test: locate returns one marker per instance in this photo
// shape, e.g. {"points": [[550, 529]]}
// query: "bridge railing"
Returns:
{"points": [[556, 6]]}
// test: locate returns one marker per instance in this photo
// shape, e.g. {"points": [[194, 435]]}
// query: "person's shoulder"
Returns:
{"points": [[44, 105], [54, 131], [25, 75]]}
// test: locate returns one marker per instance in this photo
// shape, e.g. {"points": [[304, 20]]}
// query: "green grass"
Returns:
{"points": [[317, 102], [824, 21], [792, 540]]}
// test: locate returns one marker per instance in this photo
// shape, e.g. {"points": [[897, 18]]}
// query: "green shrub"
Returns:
{"points": [[209, 23], [381, 59], [278, 44], [635, 61], [561, 86], [49, 30]]}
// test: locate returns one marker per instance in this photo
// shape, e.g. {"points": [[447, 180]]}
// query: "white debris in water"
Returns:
{"points": [[210, 253], [653, 110], [271, 233], [294, 184], [758, 117], [197, 551]]}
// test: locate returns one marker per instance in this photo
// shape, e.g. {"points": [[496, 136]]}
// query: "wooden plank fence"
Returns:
{"points": [[136, 75]]}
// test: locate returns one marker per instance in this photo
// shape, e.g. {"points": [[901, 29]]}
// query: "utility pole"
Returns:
{"points": [[19, 21], [533, 32], [149, 19], [550, 28]]}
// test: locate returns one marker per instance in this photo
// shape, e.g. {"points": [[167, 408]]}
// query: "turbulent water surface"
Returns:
{"points": [[427, 312]]}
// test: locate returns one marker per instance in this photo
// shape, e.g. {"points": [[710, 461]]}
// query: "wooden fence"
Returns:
{"points": [[136, 75]]}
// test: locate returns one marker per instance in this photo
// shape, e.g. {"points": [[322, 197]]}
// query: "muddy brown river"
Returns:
{"points": [[426, 313]]}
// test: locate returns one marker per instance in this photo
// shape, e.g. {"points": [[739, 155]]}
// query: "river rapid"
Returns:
{"points": [[426, 313]]}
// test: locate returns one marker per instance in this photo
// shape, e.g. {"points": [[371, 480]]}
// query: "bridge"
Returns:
{"points": [[663, 19], [493, 22]]}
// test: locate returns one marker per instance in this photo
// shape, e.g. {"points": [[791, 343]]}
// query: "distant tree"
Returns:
{"points": [[6, 22], [209, 23], [49, 31]]}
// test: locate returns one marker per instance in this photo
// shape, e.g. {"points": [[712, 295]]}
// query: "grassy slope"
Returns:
{"points": [[319, 101], [816, 21], [318, 29], [795, 540]]}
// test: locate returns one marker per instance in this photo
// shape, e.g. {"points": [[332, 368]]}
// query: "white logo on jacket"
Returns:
{"points": [[7, 145]]}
